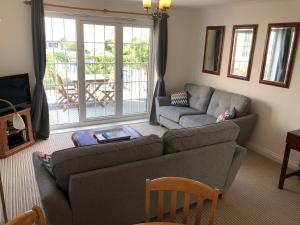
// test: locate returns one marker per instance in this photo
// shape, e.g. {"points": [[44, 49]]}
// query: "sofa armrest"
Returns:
{"points": [[246, 124], [54, 201], [161, 101], [238, 157]]}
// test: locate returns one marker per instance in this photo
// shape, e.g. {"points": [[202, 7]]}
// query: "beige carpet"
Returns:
{"points": [[252, 200]]}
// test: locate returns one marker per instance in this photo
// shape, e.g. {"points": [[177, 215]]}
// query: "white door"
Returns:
{"points": [[99, 70]]}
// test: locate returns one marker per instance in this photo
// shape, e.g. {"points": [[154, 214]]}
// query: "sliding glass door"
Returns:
{"points": [[100, 63], [136, 59], [61, 70], [96, 70]]}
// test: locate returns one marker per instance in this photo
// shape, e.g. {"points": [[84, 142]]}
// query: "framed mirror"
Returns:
{"points": [[213, 49], [241, 51], [280, 53]]}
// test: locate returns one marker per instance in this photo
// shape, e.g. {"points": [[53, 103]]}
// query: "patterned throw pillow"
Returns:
{"points": [[227, 115], [179, 98], [45, 158]]}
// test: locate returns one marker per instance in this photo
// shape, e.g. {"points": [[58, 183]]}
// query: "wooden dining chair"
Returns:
{"points": [[108, 94], [68, 96], [30, 217], [188, 187]]}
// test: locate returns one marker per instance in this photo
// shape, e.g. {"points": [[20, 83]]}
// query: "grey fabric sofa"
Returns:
{"points": [[105, 184], [205, 105]]}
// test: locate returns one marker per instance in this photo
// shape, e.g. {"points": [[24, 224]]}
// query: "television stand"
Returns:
{"points": [[12, 140]]}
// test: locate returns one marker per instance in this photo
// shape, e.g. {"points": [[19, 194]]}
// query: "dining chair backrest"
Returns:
{"points": [[29, 218], [188, 187], [59, 83]]}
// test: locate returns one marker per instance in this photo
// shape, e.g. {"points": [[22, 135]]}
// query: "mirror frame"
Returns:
{"points": [[222, 28], [291, 63], [254, 27]]}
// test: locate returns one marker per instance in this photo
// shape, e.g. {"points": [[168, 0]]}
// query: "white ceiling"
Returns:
{"points": [[199, 3]]}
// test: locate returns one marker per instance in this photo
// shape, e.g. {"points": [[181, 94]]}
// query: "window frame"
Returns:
{"points": [[254, 27], [290, 65], [118, 22]]}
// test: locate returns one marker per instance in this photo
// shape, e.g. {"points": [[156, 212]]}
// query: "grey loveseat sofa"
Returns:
{"points": [[105, 184], [205, 105]]}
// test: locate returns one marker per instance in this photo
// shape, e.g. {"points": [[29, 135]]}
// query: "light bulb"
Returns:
{"points": [[167, 4], [147, 4], [161, 5]]}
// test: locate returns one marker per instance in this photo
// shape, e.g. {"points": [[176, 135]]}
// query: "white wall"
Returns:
{"points": [[15, 39], [16, 46], [278, 108]]}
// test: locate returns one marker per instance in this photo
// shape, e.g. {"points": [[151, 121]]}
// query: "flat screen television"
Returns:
{"points": [[15, 89]]}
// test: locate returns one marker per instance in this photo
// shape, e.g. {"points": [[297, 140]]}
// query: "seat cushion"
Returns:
{"points": [[222, 101], [170, 124], [199, 96], [193, 138], [196, 120], [71, 161], [174, 112]]}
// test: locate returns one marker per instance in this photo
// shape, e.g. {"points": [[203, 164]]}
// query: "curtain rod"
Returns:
{"points": [[91, 9]]}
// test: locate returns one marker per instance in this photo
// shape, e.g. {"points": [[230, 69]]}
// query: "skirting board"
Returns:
{"points": [[293, 164]]}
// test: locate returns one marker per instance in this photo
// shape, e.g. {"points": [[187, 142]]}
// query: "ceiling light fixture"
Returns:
{"points": [[161, 6]]}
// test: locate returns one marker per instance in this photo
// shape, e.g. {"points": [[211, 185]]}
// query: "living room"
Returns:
{"points": [[166, 75]]}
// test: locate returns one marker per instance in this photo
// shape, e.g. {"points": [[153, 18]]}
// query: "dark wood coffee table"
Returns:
{"points": [[86, 137]]}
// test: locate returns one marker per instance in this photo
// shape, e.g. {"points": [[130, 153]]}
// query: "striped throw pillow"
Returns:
{"points": [[179, 98]]}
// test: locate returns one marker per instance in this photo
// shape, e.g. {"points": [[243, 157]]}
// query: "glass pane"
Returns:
{"points": [[60, 81], [48, 29], [70, 30], [281, 41], [99, 33], [110, 33], [135, 69], [89, 33], [241, 52], [58, 32], [127, 35], [100, 71]]}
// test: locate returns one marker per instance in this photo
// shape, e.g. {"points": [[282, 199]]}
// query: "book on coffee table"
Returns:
{"points": [[111, 135]]}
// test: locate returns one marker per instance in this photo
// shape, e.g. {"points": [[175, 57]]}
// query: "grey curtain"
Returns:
{"points": [[161, 42], [283, 55], [40, 112], [217, 49]]}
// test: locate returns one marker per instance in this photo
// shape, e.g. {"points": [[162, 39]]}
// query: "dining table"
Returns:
{"points": [[93, 84]]}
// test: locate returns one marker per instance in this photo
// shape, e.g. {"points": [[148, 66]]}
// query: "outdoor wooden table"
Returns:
{"points": [[90, 80]]}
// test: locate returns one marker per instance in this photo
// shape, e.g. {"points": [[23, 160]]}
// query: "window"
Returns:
{"points": [[61, 70], [242, 49], [93, 73]]}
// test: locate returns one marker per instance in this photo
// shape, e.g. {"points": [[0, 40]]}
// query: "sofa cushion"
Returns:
{"points": [[174, 112], [71, 161], [170, 124], [196, 120], [221, 101], [199, 96], [46, 159], [179, 98], [229, 114], [193, 138]]}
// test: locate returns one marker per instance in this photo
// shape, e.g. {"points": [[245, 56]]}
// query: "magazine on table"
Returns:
{"points": [[111, 135]]}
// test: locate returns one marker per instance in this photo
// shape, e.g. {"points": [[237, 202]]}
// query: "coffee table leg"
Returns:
{"points": [[284, 166]]}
